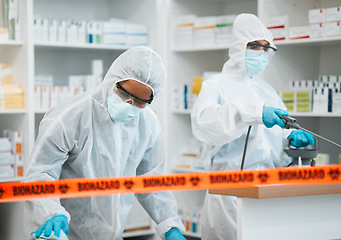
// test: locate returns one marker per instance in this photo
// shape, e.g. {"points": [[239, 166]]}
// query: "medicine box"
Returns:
{"points": [[317, 15]]}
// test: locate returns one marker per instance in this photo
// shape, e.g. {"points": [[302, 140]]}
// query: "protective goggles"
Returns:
{"points": [[266, 48], [131, 98]]}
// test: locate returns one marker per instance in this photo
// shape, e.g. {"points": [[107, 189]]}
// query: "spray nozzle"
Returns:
{"points": [[290, 122]]}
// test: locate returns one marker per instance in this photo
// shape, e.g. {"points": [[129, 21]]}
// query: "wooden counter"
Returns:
{"points": [[279, 190]]}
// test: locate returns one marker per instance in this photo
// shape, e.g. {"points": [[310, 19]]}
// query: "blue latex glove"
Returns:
{"points": [[55, 224], [301, 138], [271, 116], [174, 234], [51, 237]]}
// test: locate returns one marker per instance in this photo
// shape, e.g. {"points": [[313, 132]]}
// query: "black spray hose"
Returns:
{"points": [[245, 146]]}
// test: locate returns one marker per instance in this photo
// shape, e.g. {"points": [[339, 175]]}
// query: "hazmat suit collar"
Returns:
{"points": [[246, 28]]}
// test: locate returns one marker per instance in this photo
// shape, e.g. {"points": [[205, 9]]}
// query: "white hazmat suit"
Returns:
{"points": [[78, 139], [227, 105]]}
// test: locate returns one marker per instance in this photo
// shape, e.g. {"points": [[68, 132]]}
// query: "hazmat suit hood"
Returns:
{"points": [[246, 28], [141, 64]]}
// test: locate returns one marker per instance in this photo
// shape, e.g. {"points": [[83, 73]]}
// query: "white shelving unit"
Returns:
{"points": [[183, 65], [296, 59], [305, 59], [60, 61]]}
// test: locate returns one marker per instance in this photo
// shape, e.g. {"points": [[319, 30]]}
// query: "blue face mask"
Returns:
{"points": [[121, 111], [255, 61]]}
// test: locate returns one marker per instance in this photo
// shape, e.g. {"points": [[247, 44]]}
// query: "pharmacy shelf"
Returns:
{"points": [[82, 46], [327, 41], [310, 114], [18, 179], [191, 234], [11, 43], [184, 111], [186, 170], [13, 111], [138, 233], [40, 111], [195, 49]]}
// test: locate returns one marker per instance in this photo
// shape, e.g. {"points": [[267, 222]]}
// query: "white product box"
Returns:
{"points": [[7, 158], [37, 29], [43, 80], [116, 26], [16, 139], [71, 32], [5, 144], [133, 28], [185, 20], [316, 30], [98, 32], [137, 40], [44, 24], [54, 94], [205, 22], [77, 81], [62, 31], [45, 98], [183, 30], [17, 29], [115, 39], [65, 92], [332, 29], [53, 31], [79, 90], [299, 32], [223, 30], [317, 15], [37, 97], [7, 171], [81, 31], [333, 14], [336, 101], [278, 26]]}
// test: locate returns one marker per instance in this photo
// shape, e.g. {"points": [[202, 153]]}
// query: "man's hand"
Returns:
{"points": [[55, 224], [271, 116]]}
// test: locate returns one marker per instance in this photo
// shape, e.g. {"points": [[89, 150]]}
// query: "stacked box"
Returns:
{"points": [[289, 100], [184, 31], [204, 31], [278, 26], [303, 101], [17, 149], [11, 96], [223, 29], [7, 158]]}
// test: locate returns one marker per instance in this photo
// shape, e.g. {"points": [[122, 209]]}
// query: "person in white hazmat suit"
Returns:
{"points": [[109, 132], [227, 105]]}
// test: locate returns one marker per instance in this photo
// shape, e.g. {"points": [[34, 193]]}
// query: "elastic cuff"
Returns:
{"points": [[166, 225]]}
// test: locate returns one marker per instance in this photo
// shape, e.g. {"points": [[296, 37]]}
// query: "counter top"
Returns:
{"points": [[280, 190]]}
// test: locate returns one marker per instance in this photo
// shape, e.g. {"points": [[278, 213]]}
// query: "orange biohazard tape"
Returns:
{"points": [[85, 187]]}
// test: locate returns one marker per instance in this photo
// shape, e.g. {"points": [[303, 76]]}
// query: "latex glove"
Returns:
{"points": [[301, 138], [174, 234], [55, 224], [271, 116], [62, 236]]}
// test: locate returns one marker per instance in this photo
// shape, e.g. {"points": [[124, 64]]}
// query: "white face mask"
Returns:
{"points": [[121, 111], [255, 61]]}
